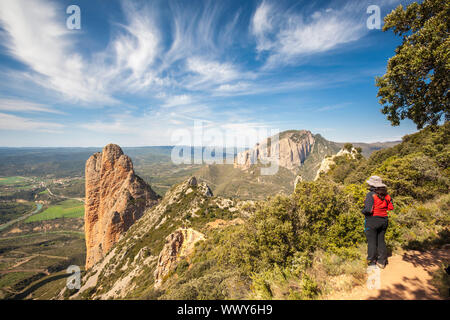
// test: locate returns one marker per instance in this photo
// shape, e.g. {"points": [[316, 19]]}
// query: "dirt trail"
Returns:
{"points": [[407, 276]]}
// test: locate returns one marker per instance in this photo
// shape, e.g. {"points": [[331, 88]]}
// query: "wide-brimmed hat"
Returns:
{"points": [[375, 181]]}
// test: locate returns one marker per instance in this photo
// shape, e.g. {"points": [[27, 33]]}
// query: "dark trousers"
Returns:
{"points": [[375, 228]]}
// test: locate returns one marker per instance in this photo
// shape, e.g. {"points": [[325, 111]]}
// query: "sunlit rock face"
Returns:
{"points": [[293, 147], [115, 198]]}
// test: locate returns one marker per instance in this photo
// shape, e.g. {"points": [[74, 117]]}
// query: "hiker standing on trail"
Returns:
{"points": [[376, 205]]}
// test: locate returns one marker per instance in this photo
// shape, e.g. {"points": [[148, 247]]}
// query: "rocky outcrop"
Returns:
{"points": [[326, 164], [293, 148], [179, 244], [158, 241], [297, 180], [115, 198]]}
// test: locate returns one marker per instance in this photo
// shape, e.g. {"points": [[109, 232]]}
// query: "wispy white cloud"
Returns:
{"points": [[230, 88], [142, 57], [212, 72], [178, 100], [25, 106], [289, 36], [162, 128], [332, 107], [15, 123], [34, 35], [261, 25], [185, 61]]}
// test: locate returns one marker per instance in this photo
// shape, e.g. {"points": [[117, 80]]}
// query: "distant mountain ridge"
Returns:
{"points": [[301, 154], [155, 166], [295, 148]]}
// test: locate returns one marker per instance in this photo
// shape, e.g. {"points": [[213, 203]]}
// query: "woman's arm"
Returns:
{"points": [[368, 204], [390, 204]]}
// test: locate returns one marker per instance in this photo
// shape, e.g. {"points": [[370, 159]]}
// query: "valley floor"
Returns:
{"points": [[408, 276]]}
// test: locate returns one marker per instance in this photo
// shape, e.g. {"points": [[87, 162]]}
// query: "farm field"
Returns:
{"points": [[38, 262], [10, 210], [12, 180], [65, 209]]}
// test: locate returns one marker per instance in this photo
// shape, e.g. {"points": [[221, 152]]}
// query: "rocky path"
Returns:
{"points": [[407, 276]]}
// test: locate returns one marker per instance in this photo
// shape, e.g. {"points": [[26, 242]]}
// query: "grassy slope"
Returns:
{"points": [[230, 182], [65, 209], [12, 180]]}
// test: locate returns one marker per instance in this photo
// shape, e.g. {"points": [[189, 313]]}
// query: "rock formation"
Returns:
{"points": [[159, 240], [326, 164], [293, 147], [297, 180], [115, 198], [178, 244]]}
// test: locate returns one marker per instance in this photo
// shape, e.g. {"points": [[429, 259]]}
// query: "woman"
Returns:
{"points": [[376, 205]]}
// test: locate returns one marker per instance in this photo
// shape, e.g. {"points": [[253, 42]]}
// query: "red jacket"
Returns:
{"points": [[380, 207], [377, 207]]}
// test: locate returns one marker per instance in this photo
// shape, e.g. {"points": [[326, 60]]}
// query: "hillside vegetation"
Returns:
{"points": [[230, 182], [305, 245]]}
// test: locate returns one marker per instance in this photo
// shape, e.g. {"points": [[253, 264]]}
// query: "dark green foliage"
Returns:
{"points": [[416, 176], [343, 167], [272, 233], [417, 79], [318, 205], [211, 286], [416, 169], [348, 147], [283, 226], [11, 210], [347, 231]]}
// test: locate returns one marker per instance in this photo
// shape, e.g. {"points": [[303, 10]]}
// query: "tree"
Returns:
{"points": [[417, 79], [348, 147]]}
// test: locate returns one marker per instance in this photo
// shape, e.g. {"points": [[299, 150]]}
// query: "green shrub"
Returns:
{"points": [[271, 234], [415, 175], [310, 289], [441, 280], [182, 266], [356, 194], [347, 231], [421, 226], [208, 287], [318, 204], [261, 285]]}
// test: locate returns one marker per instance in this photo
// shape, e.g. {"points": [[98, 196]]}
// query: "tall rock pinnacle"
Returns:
{"points": [[115, 198]]}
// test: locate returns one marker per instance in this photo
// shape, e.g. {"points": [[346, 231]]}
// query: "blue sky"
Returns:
{"points": [[138, 71]]}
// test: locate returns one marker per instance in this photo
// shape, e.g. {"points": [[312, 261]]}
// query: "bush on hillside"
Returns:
{"points": [[416, 176]]}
